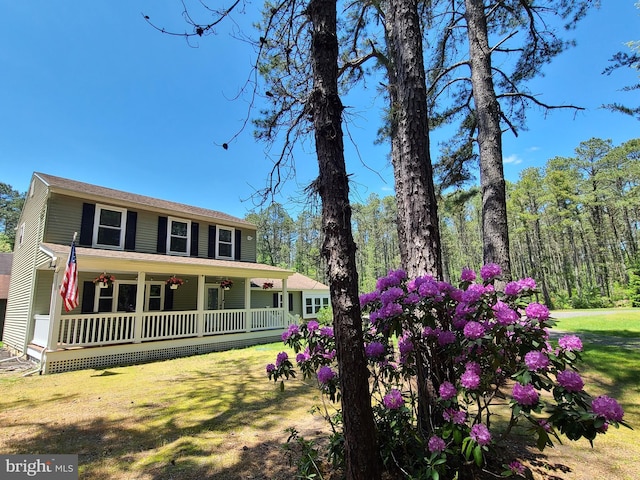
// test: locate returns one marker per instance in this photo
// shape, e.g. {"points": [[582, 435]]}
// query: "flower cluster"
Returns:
{"points": [[105, 278], [173, 280], [226, 283], [486, 344], [267, 285]]}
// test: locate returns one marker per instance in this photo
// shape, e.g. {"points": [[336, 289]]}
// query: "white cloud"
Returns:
{"points": [[512, 160]]}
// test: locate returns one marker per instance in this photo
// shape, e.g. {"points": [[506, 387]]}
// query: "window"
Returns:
{"points": [[109, 227], [313, 304], [21, 234], [224, 242], [179, 236]]}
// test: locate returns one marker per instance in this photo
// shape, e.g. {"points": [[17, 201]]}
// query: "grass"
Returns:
{"points": [[211, 416], [217, 416], [620, 324]]}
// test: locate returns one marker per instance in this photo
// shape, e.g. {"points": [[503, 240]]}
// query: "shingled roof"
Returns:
{"points": [[86, 190]]}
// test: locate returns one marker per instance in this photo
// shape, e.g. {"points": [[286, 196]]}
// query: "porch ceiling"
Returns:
{"points": [[93, 259]]}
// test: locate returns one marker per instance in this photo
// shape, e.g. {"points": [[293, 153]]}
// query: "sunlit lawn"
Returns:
{"points": [[621, 324]]}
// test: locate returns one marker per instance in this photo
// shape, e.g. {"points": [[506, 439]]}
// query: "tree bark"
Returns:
{"points": [[495, 234], [418, 230], [361, 453]]}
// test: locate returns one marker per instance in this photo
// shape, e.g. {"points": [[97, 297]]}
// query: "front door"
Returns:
{"points": [[214, 297]]}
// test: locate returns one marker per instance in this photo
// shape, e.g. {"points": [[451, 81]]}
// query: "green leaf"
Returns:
{"points": [[477, 455]]}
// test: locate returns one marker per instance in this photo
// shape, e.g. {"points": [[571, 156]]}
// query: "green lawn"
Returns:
{"points": [[620, 324]]}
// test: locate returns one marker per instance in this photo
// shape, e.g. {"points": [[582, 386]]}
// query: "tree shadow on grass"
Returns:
{"points": [[190, 431]]}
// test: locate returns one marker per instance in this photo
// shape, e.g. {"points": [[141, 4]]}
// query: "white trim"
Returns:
{"points": [[170, 220], [232, 242], [318, 301], [97, 226]]}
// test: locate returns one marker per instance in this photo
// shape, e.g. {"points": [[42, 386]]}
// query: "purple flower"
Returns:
{"points": [[512, 288], [429, 289], [467, 275], [412, 299], [473, 293], [405, 345], [516, 468], [454, 415], [390, 310], [367, 298], [271, 368], [473, 330], [480, 433], [326, 332], [527, 283], [546, 426], [393, 400], [394, 278], [447, 391], [536, 360], [490, 271], [374, 349], [436, 444], [570, 380], [325, 374], [473, 367], [504, 313], [525, 394], [470, 380], [608, 408], [312, 325], [292, 330], [391, 295], [303, 356], [537, 311], [282, 356], [446, 337], [570, 343]]}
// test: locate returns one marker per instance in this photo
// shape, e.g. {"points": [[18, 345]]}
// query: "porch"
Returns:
{"points": [[91, 341]]}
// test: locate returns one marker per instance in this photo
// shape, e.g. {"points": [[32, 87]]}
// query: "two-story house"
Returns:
{"points": [[182, 280]]}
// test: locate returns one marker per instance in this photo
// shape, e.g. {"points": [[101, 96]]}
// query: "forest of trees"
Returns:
{"points": [[573, 227]]}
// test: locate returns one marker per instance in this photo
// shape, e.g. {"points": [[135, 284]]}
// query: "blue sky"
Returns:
{"points": [[90, 92]]}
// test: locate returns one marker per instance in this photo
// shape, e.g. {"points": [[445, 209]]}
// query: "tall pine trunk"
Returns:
{"points": [[495, 234], [361, 453], [418, 228]]}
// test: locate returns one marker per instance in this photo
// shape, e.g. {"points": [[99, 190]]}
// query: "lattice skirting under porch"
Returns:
{"points": [[101, 359]]}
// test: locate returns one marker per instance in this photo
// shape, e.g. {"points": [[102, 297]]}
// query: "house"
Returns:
{"points": [[5, 274], [182, 280]]}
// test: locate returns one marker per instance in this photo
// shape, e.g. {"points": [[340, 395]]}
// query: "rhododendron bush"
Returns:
{"points": [[498, 356]]}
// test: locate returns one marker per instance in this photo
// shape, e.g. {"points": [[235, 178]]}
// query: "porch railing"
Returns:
{"points": [[116, 328]]}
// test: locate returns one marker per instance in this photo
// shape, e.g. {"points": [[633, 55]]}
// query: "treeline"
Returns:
{"points": [[573, 226]]}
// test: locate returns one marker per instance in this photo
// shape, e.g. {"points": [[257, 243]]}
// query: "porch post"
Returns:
{"points": [[285, 303], [137, 326], [247, 304], [200, 306], [54, 312]]}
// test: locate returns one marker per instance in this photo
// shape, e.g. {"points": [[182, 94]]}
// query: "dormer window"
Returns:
{"points": [[109, 227], [224, 243], [179, 236]]}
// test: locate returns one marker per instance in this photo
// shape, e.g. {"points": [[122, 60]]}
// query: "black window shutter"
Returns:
{"points": [[211, 252], [275, 300], [238, 253], [86, 226], [291, 302], [130, 234], [88, 296], [194, 239], [162, 235], [168, 298]]}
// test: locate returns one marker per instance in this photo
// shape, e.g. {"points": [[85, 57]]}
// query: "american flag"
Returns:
{"points": [[69, 288]]}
